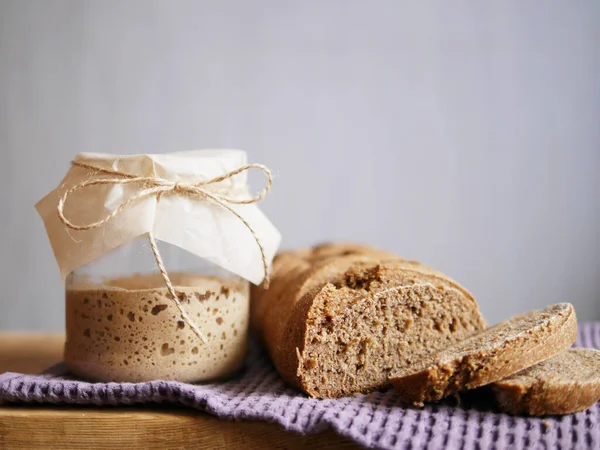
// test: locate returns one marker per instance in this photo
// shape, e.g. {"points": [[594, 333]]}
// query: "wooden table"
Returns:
{"points": [[63, 427]]}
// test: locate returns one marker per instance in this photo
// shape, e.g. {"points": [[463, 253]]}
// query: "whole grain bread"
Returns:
{"points": [[338, 318], [489, 356], [566, 383]]}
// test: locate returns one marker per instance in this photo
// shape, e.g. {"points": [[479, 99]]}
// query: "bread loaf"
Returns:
{"points": [[339, 318], [489, 356], [566, 383]]}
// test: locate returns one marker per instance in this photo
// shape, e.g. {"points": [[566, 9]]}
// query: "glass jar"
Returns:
{"points": [[123, 325]]}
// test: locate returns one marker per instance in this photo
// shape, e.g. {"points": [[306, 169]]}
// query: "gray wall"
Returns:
{"points": [[463, 134]]}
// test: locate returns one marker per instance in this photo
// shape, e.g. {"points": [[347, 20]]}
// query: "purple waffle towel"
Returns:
{"points": [[375, 420]]}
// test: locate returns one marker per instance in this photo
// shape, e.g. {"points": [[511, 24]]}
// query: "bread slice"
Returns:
{"points": [[338, 318], [492, 355], [566, 383]]}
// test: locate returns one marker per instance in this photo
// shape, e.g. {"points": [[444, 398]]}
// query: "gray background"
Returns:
{"points": [[463, 134]]}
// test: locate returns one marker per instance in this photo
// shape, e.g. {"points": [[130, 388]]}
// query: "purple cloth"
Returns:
{"points": [[375, 420]]}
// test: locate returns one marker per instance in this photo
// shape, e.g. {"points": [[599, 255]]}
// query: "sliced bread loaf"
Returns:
{"points": [[489, 356], [566, 383], [337, 319]]}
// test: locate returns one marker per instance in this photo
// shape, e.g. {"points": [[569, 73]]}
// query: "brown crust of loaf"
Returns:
{"points": [[337, 249], [285, 315], [294, 273], [279, 314], [492, 355], [566, 383], [272, 308]]}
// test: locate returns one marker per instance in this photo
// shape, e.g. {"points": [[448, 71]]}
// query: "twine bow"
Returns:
{"points": [[155, 186]]}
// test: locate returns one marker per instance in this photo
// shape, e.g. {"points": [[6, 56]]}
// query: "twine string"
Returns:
{"points": [[161, 267]]}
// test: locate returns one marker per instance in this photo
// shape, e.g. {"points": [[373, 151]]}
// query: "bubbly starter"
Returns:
{"points": [[129, 329]]}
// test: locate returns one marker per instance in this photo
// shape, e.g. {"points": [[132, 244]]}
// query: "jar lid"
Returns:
{"points": [[187, 199]]}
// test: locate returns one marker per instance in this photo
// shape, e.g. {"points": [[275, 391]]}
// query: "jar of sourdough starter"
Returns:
{"points": [[122, 324], [128, 232]]}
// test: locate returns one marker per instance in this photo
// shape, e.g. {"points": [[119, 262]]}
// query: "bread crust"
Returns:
{"points": [[566, 383], [489, 356]]}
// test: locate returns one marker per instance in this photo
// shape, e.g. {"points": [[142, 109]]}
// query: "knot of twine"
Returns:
{"points": [[155, 186]]}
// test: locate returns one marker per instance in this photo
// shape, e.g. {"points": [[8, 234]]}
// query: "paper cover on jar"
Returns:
{"points": [[194, 223]]}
